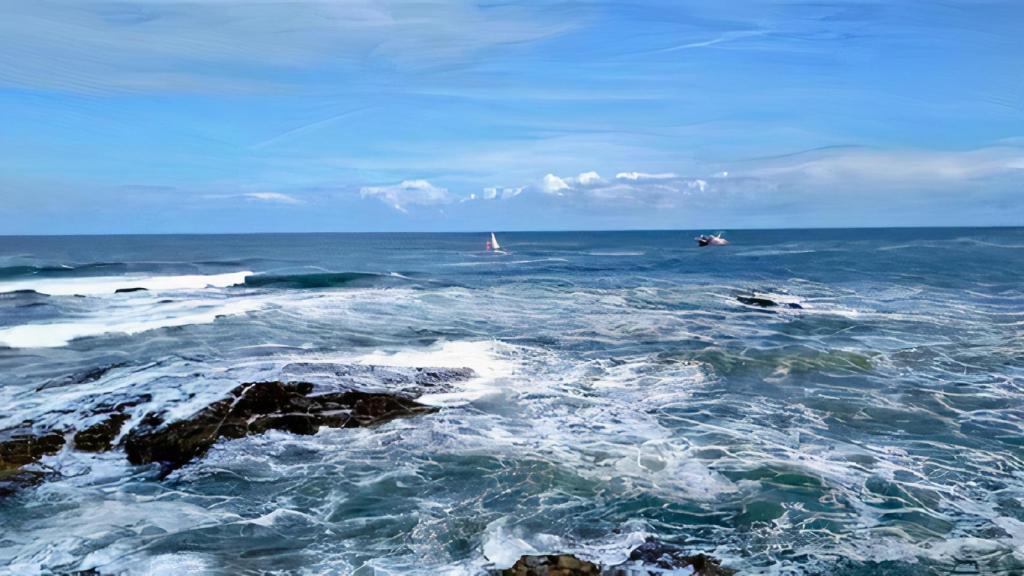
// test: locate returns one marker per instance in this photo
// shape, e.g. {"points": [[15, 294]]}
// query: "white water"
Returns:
{"points": [[97, 285], [123, 320]]}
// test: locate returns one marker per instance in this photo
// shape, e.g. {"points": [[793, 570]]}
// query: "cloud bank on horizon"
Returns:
{"points": [[170, 116]]}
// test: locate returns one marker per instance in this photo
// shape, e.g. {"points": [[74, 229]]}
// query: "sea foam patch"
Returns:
{"points": [[484, 357], [97, 285]]}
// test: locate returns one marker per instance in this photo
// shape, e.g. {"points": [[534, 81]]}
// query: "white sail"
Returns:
{"points": [[494, 242]]}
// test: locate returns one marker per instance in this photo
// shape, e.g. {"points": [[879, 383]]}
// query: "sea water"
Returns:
{"points": [[873, 420]]}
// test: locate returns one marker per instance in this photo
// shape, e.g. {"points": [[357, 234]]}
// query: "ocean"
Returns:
{"points": [[797, 402]]}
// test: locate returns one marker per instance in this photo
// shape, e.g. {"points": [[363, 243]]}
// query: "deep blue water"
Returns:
{"points": [[873, 421]]}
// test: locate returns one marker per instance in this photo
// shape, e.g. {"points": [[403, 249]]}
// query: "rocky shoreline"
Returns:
{"points": [[297, 407], [652, 558], [251, 408]]}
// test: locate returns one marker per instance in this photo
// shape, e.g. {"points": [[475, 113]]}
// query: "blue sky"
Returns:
{"points": [[365, 115]]}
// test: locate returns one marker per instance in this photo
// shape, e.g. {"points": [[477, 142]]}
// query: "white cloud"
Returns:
{"points": [[272, 197], [629, 188], [408, 192], [833, 175], [645, 176], [552, 184], [557, 185]]}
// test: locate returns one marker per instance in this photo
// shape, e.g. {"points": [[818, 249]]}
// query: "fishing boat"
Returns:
{"points": [[711, 240]]}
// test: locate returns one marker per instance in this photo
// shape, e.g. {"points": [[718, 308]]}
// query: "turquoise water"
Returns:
{"points": [[622, 391]]}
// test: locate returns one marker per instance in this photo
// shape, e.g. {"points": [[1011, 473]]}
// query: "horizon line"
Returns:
{"points": [[517, 231]]}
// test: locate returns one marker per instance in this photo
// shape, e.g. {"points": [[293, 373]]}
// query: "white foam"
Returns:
{"points": [[58, 334], [482, 356], [177, 565], [503, 546], [90, 286]]}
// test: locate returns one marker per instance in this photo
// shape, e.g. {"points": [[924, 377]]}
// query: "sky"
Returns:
{"points": [[162, 116]]}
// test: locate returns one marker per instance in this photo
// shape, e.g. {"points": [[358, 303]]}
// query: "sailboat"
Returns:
{"points": [[492, 244]]}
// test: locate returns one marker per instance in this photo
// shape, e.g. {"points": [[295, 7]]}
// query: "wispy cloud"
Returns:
{"points": [[96, 46], [726, 37], [495, 192], [306, 128], [890, 167], [272, 197], [408, 192]]}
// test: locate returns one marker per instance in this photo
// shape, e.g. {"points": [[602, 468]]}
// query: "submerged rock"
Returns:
{"points": [[668, 556], [13, 481], [650, 559], [82, 377], [20, 449], [373, 378], [255, 408]]}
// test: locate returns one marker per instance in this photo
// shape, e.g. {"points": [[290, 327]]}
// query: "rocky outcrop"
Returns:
{"points": [[551, 565], [23, 445], [251, 408], [255, 408], [650, 559]]}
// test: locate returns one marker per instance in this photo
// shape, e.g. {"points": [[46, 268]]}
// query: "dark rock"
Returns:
{"points": [[667, 556], [20, 449], [551, 565], [21, 446], [650, 559], [255, 408], [22, 292], [766, 302], [127, 290], [98, 437]]}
